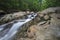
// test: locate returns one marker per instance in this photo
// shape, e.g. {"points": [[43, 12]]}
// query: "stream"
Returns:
{"points": [[7, 31]]}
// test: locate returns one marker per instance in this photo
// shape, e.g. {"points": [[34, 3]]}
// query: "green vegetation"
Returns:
{"points": [[23, 5], [32, 5], [49, 3]]}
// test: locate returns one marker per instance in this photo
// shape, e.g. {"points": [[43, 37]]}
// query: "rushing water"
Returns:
{"points": [[14, 28]]}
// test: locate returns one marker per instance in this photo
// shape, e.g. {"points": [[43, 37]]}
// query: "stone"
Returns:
{"points": [[41, 15], [46, 17]]}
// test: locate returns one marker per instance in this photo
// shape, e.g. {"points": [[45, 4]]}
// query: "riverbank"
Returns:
{"points": [[48, 29]]}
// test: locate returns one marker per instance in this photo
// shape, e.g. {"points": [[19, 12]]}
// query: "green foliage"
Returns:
{"points": [[49, 3], [9, 4], [33, 5]]}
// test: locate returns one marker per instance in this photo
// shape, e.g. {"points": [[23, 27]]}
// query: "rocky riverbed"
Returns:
{"points": [[48, 28]]}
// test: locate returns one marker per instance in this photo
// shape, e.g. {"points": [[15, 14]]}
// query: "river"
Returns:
{"points": [[7, 31]]}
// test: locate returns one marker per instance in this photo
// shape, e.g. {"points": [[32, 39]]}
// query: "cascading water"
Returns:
{"points": [[14, 28]]}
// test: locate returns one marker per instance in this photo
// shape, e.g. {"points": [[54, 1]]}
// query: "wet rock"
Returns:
{"points": [[46, 17], [42, 23], [31, 31], [41, 15]]}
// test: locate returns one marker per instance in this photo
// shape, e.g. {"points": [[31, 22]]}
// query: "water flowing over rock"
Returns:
{"points": [[45, 26]]}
